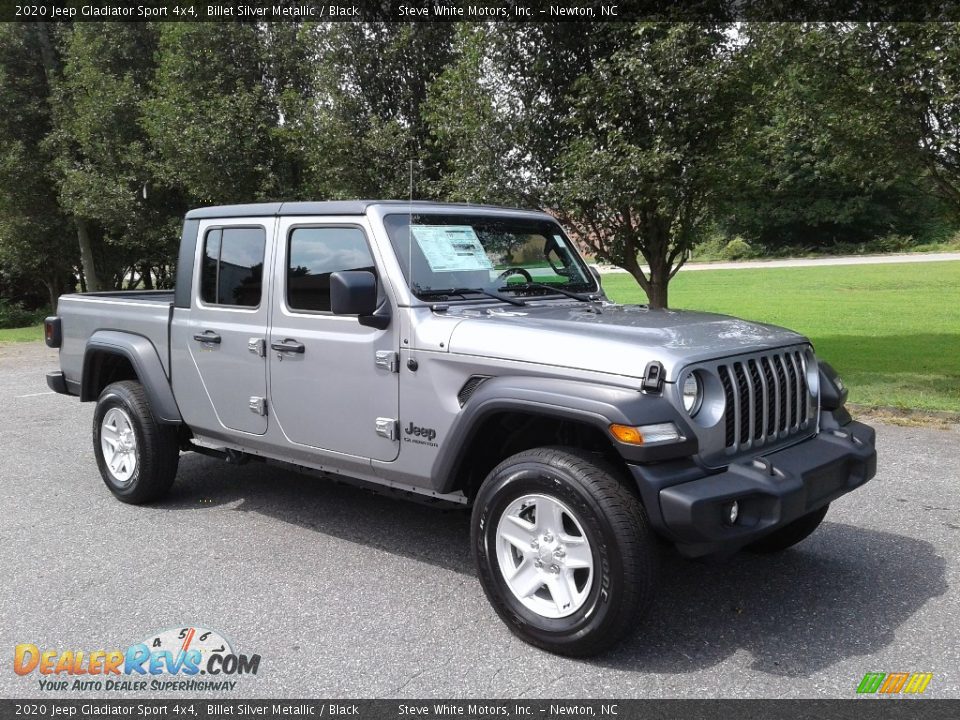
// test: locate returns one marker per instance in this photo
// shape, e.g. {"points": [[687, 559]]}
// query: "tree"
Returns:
{"points": [[106, 167], [35, 240], [470, 129], [637, 177], [210, 116], [370, 95], [499, 113], [913, 74], [817, 155], [613, 128]]}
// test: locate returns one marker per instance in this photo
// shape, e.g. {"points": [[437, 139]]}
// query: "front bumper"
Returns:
{"points": [[772, 490]]}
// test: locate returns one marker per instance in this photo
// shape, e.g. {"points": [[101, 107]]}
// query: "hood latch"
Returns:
{"points": [[653, 377]]}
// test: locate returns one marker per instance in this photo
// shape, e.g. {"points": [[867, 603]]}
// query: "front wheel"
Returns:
{"points": [[136, 455], [563, 550]]}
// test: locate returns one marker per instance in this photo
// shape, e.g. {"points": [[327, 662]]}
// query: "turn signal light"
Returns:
{"points": [[626, 434], [645, 434]]}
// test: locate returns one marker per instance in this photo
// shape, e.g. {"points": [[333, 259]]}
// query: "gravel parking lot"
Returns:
{"points": [[347, 594]]}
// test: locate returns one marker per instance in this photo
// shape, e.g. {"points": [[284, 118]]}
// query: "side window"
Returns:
{"points": [[315, 253], [232, 266]]}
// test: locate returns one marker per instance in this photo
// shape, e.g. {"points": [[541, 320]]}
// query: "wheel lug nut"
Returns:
{"points": [[548, 537], [534, 543], [555, 569], [559, 553], [537, 564]]}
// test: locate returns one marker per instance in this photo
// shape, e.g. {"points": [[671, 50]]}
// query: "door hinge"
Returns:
{"points": [[258, 346], [258, 405], [388, 360], [387, 427]]}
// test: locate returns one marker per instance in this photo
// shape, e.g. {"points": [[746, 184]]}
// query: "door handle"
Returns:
{"points": [[289, 345], [209, 336]]}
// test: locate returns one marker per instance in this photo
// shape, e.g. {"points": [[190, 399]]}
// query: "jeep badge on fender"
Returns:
{"points": [[575, 429], [428, 433]]}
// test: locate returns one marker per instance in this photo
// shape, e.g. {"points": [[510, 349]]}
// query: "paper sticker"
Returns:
{"points": [[451, 248]]}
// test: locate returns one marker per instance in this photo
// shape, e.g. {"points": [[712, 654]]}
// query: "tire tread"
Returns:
{"points": [[627, 518], [159, 448]]}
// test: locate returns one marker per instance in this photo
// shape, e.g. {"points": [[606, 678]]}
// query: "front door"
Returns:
{"points": [[327, 389], [226, 332]]}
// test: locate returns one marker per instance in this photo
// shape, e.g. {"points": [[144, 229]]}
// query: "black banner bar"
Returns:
{"points": [[478, 11], [855, 709]]}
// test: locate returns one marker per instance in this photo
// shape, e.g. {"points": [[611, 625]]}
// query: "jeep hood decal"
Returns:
{"points": [[616, 339]]}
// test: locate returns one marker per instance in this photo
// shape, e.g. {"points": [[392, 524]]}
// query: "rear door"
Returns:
{"points": [[226, 331], [334, 383]]}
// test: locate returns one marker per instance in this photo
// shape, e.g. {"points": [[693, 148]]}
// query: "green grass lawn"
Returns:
{"points": [[891, 331], [26, 334]]}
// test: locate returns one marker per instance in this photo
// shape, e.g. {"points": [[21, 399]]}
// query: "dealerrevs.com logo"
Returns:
{"points": [[185, 659]]}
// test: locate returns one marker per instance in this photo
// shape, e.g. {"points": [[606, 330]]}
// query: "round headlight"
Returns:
{"points": [[692, 394]]}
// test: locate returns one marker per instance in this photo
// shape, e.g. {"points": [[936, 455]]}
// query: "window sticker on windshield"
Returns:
{"points": [[451, 248]]}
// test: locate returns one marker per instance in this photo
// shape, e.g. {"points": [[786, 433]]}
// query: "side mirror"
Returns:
{"points": [[596, 275], [354, 292]]}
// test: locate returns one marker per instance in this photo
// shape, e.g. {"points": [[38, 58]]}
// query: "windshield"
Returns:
{"points": [[457, 253]]}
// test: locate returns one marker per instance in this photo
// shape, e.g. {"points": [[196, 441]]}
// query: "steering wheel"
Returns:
{"points": [[515, 271]]}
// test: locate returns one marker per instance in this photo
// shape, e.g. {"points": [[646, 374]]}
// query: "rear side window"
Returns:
{"points": [[232, 271], [314, 254]]}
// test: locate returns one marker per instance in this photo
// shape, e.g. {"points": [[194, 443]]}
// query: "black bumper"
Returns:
{"points": [[771, 490], [57, 383]]}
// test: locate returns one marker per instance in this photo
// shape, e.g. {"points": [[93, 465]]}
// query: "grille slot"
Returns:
{"points": [[767, 398]]}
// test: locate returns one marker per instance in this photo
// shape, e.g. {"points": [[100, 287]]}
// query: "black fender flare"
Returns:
{"points": [[590, 403], [146, 364]]}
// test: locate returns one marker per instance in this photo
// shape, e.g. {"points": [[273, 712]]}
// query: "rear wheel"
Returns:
{"points": [[563, 550], [137, 456], [789, 535]]}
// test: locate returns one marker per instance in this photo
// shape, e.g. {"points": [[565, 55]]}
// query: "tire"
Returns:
{"points": [[600, 521], [789, 535], [146, 465]]}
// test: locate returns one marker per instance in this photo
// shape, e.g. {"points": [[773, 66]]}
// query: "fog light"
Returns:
{"points": [[732, 512]]}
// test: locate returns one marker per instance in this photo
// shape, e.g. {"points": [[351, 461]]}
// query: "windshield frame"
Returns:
{"points": [[540, 223]]}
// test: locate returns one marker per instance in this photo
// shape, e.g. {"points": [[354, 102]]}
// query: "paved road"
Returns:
{"points": [[809, 262], [344, 593]]}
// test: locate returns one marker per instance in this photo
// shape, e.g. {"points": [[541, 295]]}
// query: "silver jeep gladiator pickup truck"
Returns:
{"points": [[467, 355]]}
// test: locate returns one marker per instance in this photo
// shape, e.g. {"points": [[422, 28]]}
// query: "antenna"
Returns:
{"points": [[410, 231]]}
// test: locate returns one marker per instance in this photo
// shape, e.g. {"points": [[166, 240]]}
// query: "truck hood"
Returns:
{"points": [[607, 338]]}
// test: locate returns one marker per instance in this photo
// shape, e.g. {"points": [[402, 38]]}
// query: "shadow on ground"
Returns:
{"points": [[841, 593]]}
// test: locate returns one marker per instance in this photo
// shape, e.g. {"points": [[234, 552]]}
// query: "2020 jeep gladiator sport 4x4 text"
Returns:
{"points": [[468, 355]]}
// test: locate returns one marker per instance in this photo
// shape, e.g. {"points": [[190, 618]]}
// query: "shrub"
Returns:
{"points": [[710, 248], [736, 249], [894, 243], [14, 315]]}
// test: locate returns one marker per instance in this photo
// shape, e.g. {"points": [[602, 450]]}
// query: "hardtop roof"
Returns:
{"points": [[330, 207]]}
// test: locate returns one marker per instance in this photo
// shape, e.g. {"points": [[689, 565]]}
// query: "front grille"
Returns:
{"points": [[767, 398]]}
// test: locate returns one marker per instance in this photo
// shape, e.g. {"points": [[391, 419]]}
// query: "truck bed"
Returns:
{"points": [[152, 296], [142, 312]]}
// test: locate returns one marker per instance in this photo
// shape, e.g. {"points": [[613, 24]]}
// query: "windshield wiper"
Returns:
{"points": [[552, 288], [463, 291]]}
